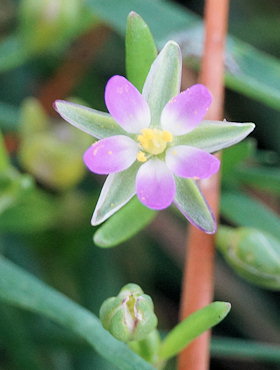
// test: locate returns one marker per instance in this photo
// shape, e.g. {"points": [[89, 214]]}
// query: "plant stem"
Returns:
{"points": [[198, 279]]}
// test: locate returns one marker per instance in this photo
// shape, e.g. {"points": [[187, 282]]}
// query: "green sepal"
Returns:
{"points": [[93, 122], [163, 81], [140, 49], [128, 221], [212, 136], [190, 328], [117, 190], [252, 253], [190, 201]]}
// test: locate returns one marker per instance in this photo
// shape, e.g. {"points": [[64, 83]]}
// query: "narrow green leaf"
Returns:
{"points": [[127, 222], [190, 328], [234, 156], [249, 71], [244, 349], [163, 17], [264, 178], [215, 135], [141, 50], [192, 204], [91, 121], [21, 289], [163, 81], [245, 211]]}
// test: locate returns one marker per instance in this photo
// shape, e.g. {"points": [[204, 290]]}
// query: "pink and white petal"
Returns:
{"points": [[186, 110], [110, 155], [155, 185], [126, 105], [187, 161]]}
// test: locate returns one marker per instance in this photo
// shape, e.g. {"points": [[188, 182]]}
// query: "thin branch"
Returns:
{"points": [[198, 280]]}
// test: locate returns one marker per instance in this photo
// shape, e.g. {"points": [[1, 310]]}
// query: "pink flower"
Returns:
{"points": [[153, 145]]}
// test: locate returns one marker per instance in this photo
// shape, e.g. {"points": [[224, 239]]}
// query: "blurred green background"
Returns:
{"points": [[69, 49]]}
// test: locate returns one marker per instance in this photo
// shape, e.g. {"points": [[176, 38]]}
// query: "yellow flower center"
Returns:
{"points": [[153, 141]]}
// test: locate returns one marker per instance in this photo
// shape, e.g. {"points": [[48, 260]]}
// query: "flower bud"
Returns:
{"points": [[129, 316], [253, 254]]}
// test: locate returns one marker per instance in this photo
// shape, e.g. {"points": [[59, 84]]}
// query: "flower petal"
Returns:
{"points": [[126, 105], [117, 190], [155, 185], [185, 111], [190, 162], [110, 155]]}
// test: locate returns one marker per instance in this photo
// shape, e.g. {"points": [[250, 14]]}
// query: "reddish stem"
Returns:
{"points": [[198, 279]]}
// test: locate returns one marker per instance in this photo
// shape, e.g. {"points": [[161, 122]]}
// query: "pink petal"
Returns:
{"points": [[155, 185], [187, 161], [110, 155], [186, 110], [126, 105]]}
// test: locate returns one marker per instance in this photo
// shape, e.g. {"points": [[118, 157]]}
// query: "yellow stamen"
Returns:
{"points": [[141, 157], [167, 136], [154, 141]]}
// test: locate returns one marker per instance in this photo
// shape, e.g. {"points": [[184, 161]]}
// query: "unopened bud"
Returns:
{"points": [[253, 254], [129, 316]]}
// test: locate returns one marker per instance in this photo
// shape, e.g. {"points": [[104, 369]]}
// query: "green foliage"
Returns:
{"points": [[140, 50], [250, 72], [47, 229], [192, 327], [254, 213], [21, 289], [253, 254], [127, 222]]}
